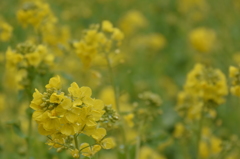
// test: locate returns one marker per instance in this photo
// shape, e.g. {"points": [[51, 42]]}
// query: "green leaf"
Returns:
{"points": [[18, 131]]}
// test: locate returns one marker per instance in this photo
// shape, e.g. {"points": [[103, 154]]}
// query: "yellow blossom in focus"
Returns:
{"points": [[88, 150], [61, 115], [75, 153]]}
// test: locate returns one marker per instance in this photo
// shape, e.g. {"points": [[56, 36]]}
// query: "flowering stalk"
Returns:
{"points": [[199, 132], [76, 144], [116, 101], [113, 82]]}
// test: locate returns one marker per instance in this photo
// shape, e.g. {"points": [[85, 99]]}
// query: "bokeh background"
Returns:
{"points": [[163, 40]]}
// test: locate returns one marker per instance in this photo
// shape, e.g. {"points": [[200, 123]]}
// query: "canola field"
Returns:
{"points": [[126, 79]]}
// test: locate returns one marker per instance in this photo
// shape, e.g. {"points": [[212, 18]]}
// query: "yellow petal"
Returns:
{"points": [[56, 98], [86, 91], [71, 116], [42, 131], [108, 143], [95, 149], [67, 129], [37, 115], [85, 149], [98, 104], [54, 82], [74, 90], [107, 26], [99, 133], [66, 104]]}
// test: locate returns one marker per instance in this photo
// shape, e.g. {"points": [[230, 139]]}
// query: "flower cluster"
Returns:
{"points": [[28, 59], [35, 13], [62, 116], [204, 86], [5, 31], [95, 41], [234, 74]]}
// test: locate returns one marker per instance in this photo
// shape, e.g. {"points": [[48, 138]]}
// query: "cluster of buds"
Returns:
{"points": [[150, 107], [109, 118], [62, 116], [151, 98]]}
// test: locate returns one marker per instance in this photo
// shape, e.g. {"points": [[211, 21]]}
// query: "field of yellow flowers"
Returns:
{"points": [[126, 79]]}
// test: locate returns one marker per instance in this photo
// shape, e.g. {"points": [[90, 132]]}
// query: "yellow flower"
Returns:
{"points": [[75, 153], [147, 153], [132, 21], [129, 119], [117, 34], [89, 151], [37, 100], [99, 134], [198, 39], [34, 59], [96, 42], [108, 143], [36, 14], [233, 71], [107, 26], [179, 130], [56, 98], [62, 116], [204, 150], [54, 82], [13, 58], [5, 31]]}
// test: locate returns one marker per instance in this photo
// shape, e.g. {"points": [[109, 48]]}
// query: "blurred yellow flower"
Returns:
{"points": [[202, 39]]}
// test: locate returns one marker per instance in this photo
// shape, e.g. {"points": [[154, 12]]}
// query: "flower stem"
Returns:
{"points": [[199, 132], [116, 102], [76, 144], [138, 147], [113, 82], [29, 136]]}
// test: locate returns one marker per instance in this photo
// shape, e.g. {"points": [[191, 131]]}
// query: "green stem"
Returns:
{"points": [[113, 82], [29, 115], [138, 147], [138, 143], [76, 144], [117, 102], [199, 132], [29, 136]]}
